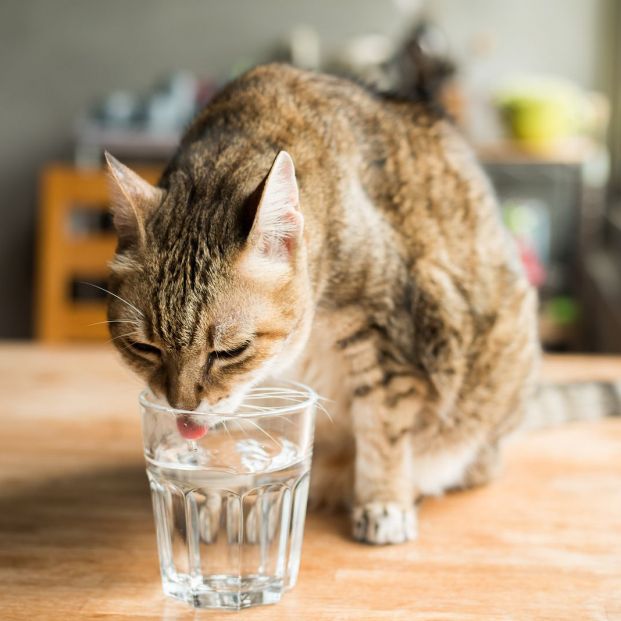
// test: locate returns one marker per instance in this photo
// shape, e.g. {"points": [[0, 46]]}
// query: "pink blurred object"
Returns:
{"points": [[534, 269]]}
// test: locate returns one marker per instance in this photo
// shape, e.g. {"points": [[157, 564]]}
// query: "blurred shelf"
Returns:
{"points": [[571, 151], [601, 299], [130, 143], [75, 244]]}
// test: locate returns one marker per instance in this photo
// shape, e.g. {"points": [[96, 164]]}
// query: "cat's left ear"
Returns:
{"points": [[278, 223], [132, 198]]}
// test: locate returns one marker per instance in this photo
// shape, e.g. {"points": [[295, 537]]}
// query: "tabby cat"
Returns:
{"points": [[308, 227]]}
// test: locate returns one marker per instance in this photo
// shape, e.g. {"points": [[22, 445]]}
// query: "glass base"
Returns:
{"points": [[224, 592]]}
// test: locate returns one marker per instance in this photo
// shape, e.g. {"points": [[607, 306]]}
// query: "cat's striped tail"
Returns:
{"points": [[553, 404]]}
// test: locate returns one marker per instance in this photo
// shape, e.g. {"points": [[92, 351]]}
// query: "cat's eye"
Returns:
{"points": [[145, 348], [232, 353]]}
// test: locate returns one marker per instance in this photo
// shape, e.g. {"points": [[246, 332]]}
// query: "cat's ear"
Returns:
{"points": [[278, 223], [131, 199]]}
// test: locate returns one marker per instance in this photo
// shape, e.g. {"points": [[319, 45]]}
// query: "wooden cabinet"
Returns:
{"points": [[75, 244]]}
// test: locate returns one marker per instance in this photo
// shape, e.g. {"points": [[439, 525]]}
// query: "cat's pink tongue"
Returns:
{"points": [[190, 429]]}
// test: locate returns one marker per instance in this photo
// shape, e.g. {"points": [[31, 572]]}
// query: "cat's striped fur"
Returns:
{"points": [[376, 270]]}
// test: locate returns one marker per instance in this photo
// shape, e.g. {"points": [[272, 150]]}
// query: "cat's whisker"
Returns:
{"points": [[285, 393], [98, 323], [272, 438], [323, 409], [267, 410], [118, 297], [292, 398], [227, 430], [120, 336], [257, 408], [297, 397], [244, 432], [275, 389]]}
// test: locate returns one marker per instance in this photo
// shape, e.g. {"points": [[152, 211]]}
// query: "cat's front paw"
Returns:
{"points": [[384, 522]]}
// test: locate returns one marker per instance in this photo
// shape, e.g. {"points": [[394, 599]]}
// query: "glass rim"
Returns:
{"points": [[310, 399]]}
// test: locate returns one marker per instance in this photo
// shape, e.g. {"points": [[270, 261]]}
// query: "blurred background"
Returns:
{"points": [[535, 85]]}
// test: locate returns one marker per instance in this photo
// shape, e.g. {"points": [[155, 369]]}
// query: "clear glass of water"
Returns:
{"points": [[229, 495]]}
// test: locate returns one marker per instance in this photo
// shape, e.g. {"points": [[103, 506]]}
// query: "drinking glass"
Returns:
{"points": [[229, 495]]}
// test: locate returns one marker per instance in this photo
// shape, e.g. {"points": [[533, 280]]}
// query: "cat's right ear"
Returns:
{"points": [[131, 199], [278, 223]]}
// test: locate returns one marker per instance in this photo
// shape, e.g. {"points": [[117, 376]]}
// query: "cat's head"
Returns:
{"points": [[210, 291]]}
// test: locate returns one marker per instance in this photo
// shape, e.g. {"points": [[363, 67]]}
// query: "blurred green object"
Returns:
{"points": [[529, 221], [540, 111], [563, 310]]}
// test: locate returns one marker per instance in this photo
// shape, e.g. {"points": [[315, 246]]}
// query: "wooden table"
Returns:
{"points": [[77, 538]]}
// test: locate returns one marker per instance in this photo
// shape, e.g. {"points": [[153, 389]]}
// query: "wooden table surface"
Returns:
{"points": [[77, 538]]}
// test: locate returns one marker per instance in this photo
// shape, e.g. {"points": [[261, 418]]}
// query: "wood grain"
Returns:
{"points": [[77, 539]]}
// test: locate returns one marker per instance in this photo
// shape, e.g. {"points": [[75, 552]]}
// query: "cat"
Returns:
{"points": [[308, 227]]}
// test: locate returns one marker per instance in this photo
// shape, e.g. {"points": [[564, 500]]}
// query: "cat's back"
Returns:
{"points": [[332, 127], [289, 106], [324, 119], [409, 159]]}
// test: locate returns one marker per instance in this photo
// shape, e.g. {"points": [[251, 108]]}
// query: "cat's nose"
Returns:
{"points": [[184, 397], [184, 385], [182, 403]]}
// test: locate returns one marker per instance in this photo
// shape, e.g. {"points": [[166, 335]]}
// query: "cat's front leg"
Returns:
{"points": [[385, 399], [384, 509]]}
